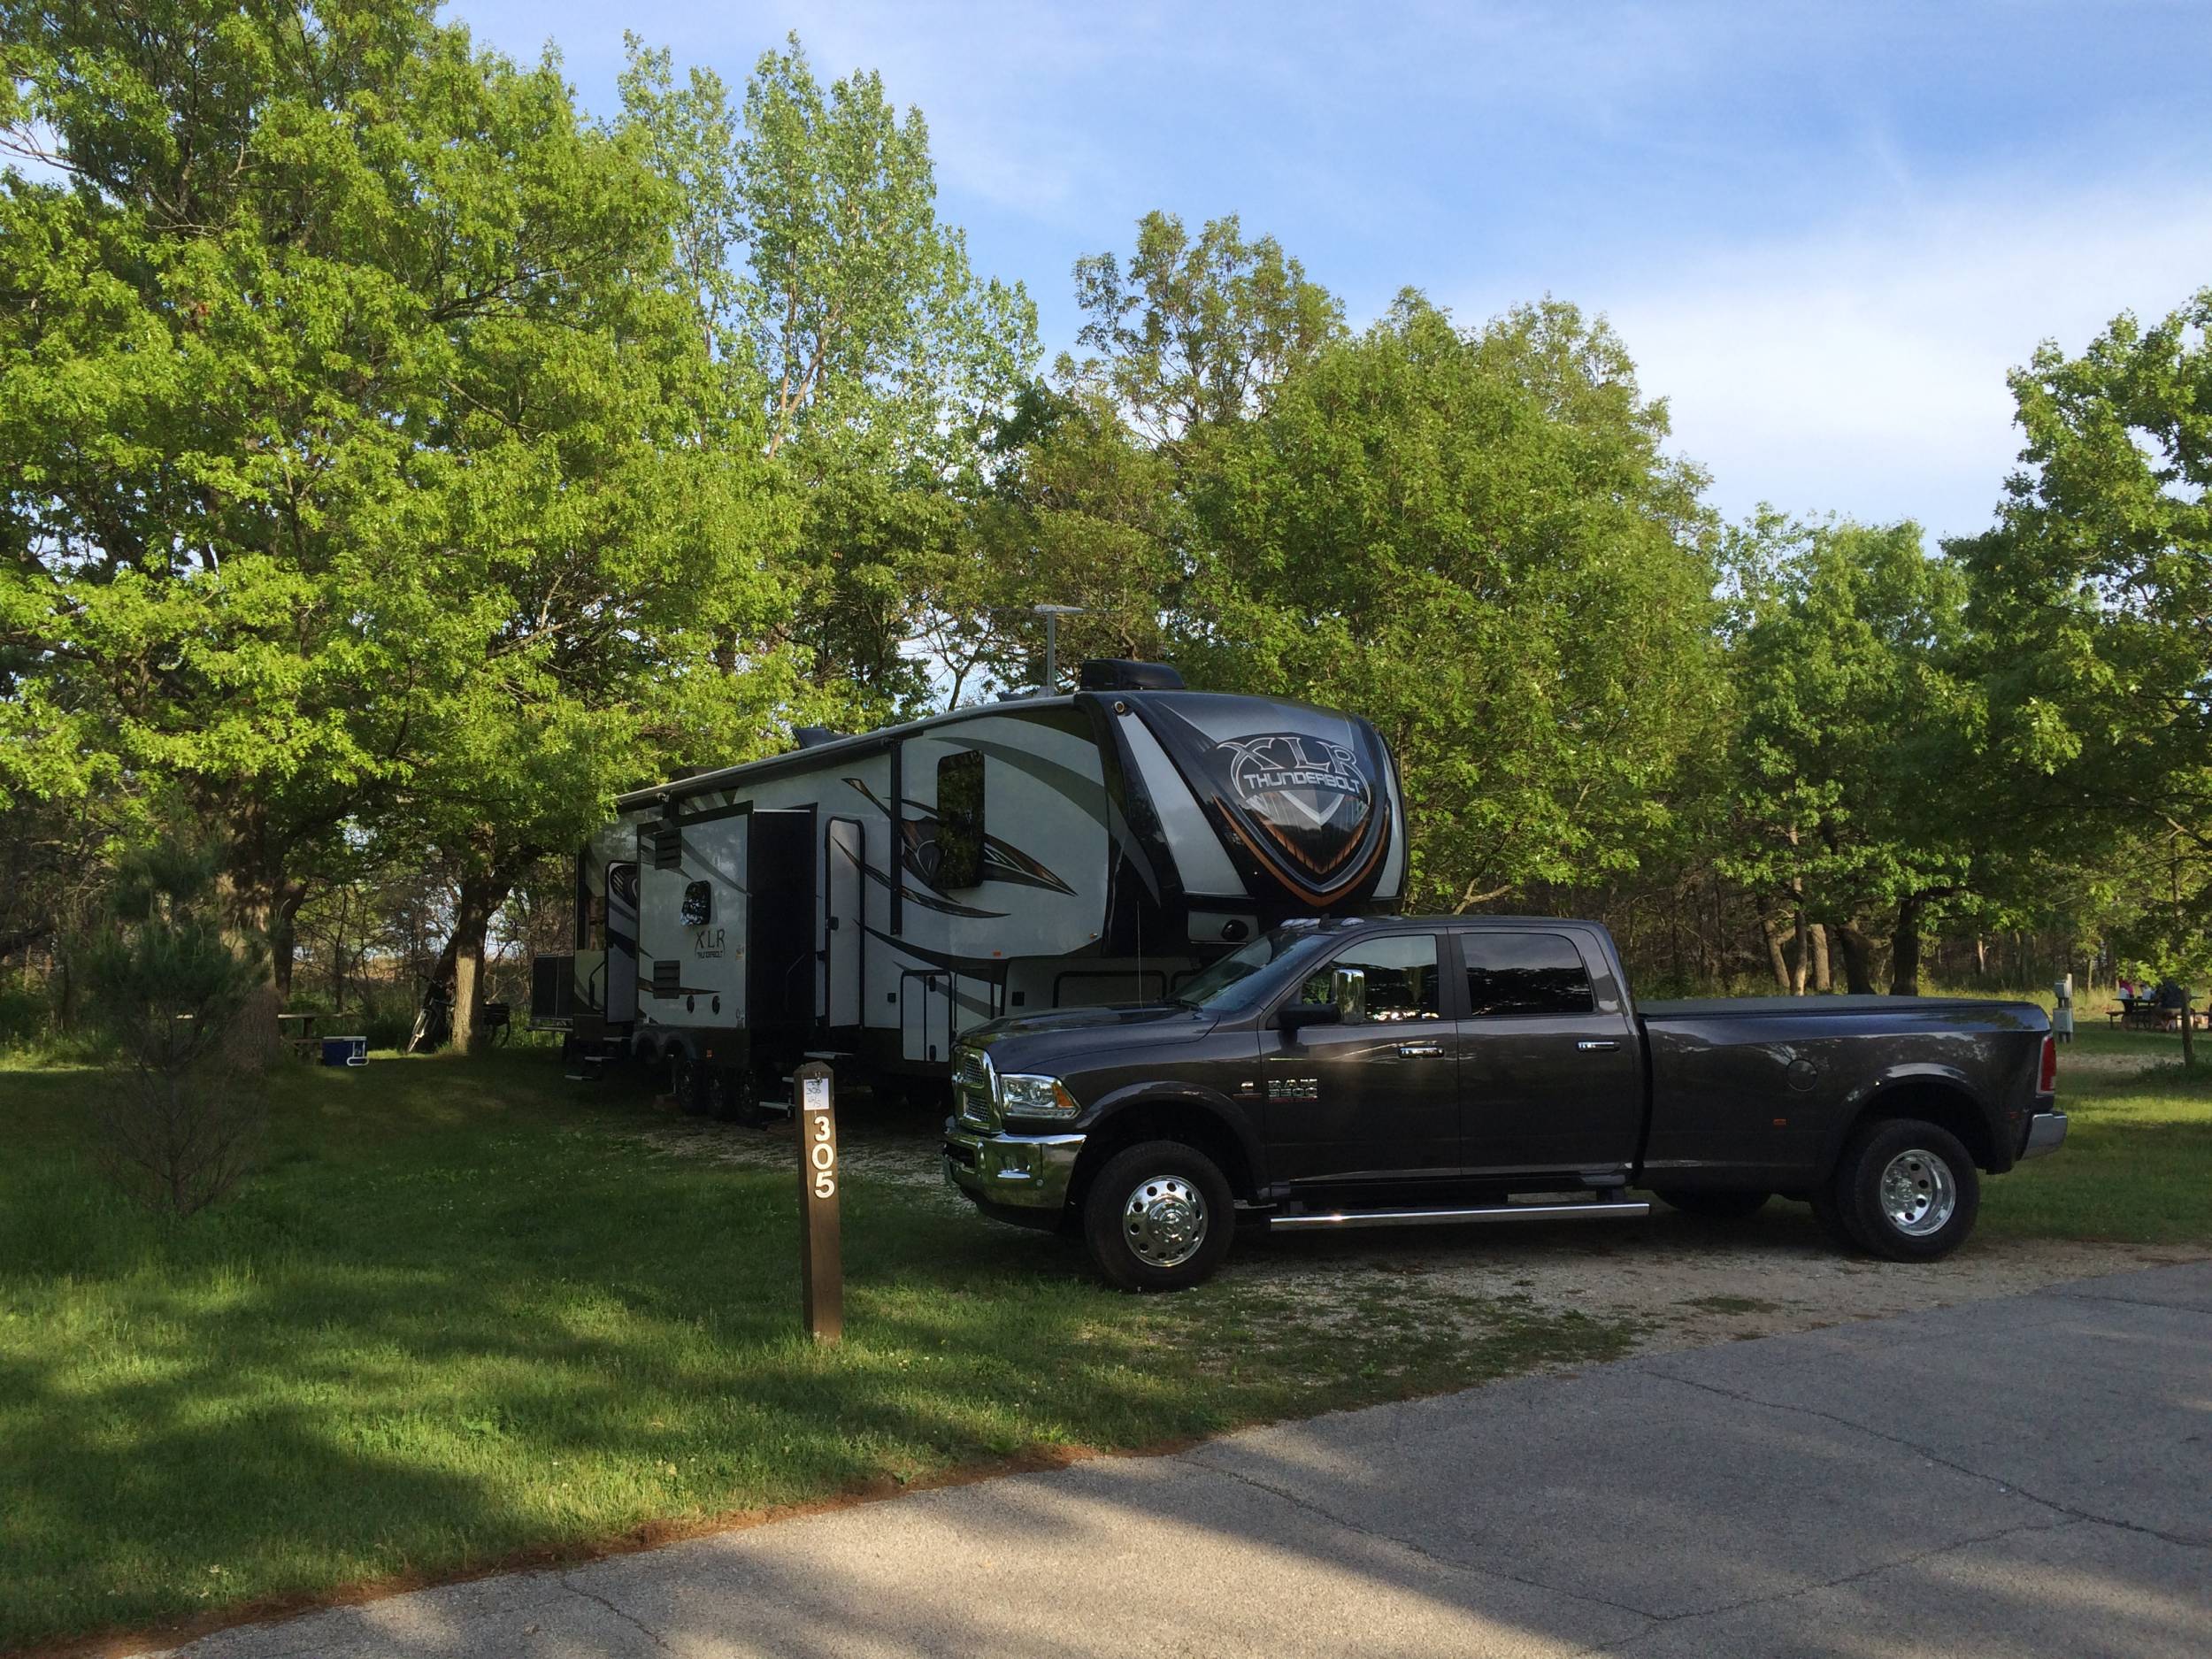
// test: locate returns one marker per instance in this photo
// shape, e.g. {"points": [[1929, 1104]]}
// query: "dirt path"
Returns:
{"points": [[1673, 1281]]}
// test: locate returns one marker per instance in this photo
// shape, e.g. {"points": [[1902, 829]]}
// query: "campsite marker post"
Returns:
{"points": [[821, 1267]]}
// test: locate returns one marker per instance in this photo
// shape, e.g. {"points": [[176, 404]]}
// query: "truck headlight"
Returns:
{"points": [[1030, 1096]]}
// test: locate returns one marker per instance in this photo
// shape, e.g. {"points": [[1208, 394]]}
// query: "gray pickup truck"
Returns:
{"points": [[1400, 1071]]}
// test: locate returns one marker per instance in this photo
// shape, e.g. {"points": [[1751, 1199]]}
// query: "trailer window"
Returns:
{"points": [[960, 833], [1524, 973], [698, 908]]}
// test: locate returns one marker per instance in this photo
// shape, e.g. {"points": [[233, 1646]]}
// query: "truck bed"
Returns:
{"points": [[1760, 1090]]}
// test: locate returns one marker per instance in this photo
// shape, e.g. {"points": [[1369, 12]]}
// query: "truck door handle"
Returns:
{"points": [[1415, 1050], [1597, 1044]]}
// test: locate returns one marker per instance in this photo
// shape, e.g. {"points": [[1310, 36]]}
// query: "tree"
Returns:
{"points": [[348, 427], [2096, 586], [170, 987], [1475, 540], [1856, 747], [1197, 333], [1079, 512], [849, 316]]}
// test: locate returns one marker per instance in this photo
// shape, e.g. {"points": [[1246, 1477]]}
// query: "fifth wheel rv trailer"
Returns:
{"points": [[871, 897]]}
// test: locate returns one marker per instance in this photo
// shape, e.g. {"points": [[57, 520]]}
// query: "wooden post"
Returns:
{"points": [[821, 1266]]}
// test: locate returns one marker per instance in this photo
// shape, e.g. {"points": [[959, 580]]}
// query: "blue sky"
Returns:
{"points": [[1824, 231]]}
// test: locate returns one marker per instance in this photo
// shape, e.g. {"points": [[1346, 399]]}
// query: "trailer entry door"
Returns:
{"points": [[844, 945]]}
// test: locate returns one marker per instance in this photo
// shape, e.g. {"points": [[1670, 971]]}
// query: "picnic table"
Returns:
{"points": [[299, 1031], [2146, 1013]]}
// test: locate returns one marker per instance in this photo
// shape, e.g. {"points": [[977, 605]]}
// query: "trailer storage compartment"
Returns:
{"points": [[553, 992]]}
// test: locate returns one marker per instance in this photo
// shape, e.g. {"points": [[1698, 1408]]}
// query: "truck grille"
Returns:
{"points": [[972, 1090]]}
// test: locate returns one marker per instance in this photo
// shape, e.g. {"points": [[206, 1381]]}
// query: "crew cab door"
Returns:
{"points": [[1550, 1076], [1372, 1096]]}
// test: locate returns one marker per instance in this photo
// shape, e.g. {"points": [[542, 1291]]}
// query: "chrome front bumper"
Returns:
{"points": [[1027, 1171], [2046, 1131]]}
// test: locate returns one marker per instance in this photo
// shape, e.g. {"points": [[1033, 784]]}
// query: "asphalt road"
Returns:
{"points": [[2030, 1475]]}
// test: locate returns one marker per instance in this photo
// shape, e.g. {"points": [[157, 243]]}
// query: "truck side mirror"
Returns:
{"points": [[1347, 1004], [1348, 989]]}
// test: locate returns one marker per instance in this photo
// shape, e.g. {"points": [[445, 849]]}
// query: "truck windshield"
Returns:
{"points": [[1250, 973]]}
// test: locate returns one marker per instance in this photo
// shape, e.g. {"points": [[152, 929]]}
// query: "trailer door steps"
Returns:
{"points": [[1593, 1209]]}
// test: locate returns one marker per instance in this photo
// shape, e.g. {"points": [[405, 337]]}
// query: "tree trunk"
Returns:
{"points": [[2188, 1038], [1858, 959], [283, 935], [1822, 983], [480, 897], [1804, 955], [1775, 958], [263, 908], [1904, 950]]}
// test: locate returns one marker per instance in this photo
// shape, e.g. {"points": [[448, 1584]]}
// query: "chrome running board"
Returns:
{"points": [[1621, 1209]]}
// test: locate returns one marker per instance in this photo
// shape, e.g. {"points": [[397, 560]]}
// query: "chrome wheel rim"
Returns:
{"points": [[1163, 1220], [1918, 1192]]}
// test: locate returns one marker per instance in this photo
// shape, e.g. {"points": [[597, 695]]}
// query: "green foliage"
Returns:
{"points": [[847, 319], [365, 471], [1081, 512], [170, 987], [1858, 730], [2097, 584], [395, 465], [1474, 539], [1193, 334], [25, 1013]]}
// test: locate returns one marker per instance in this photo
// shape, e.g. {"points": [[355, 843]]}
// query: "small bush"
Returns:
{"points": [[25, 1014], [385, 1014], [185, 1006]]}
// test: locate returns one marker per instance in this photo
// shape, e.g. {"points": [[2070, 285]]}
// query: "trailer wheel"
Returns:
{"points": [[1908, 1190], [1715, 1206], [1159, 1217], [733, 1096], [686, 1079]]}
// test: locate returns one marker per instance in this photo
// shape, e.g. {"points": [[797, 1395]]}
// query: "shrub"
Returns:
{"points": [[24, 1014], [177, 995], [384, 1014]]}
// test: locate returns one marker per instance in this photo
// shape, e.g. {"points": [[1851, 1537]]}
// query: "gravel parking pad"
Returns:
{"points": [[1673, 1280]]}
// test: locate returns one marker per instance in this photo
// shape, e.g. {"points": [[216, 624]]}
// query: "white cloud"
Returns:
{"points": [[1863, 369]]}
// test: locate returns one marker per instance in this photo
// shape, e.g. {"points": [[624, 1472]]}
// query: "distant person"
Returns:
{"points": [[2171, 995]]}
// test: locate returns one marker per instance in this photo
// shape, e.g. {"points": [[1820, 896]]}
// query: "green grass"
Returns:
{"points": [[463, 1316], [2137, 1166]]}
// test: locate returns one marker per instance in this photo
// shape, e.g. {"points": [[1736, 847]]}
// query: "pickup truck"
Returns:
{"points": [[1410, 1072]]}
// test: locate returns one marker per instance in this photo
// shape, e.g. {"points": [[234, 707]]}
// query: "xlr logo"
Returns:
{"points": [[1307, 794]]}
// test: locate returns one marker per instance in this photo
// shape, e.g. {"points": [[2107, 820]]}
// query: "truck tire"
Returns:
{"points": [[687, 1080], [1159, 1217], [1715, 1206], [1907, 1190]]}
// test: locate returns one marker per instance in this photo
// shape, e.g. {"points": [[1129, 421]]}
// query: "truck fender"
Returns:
{"points": [[1872, 1096], [1222, 1114]]}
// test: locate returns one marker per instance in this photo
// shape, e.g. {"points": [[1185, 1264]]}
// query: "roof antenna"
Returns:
{"points": [[1052, 615]]}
